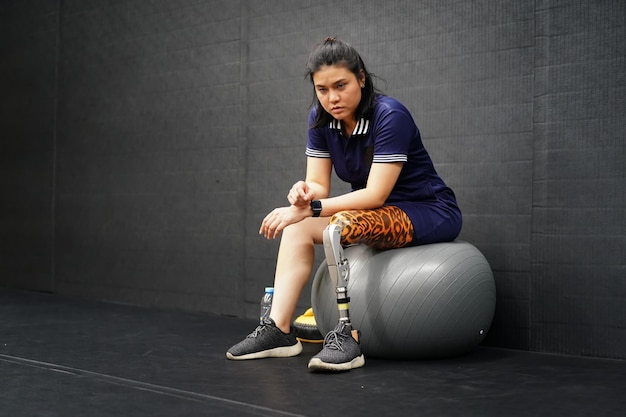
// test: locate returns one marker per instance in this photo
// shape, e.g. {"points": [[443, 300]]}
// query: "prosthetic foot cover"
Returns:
{"points": [[306, 328]]}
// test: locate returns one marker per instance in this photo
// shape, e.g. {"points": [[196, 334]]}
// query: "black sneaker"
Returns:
{"points": [[266, 341], [340, 353]]}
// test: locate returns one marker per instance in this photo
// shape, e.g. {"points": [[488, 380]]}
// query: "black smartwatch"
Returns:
{"points": [[316, 206]]}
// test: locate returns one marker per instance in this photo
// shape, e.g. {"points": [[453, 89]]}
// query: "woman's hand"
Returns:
{"points": [[300, 195], [281, 217]]}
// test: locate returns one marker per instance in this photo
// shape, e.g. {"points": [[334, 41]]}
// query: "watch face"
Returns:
{"points": [[316, 206]]}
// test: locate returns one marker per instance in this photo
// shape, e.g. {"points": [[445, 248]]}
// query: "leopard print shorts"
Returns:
{"points": [[387, 227]]}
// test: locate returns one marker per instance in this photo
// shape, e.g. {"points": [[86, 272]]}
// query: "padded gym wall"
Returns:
{"points": [[578, 271], [150, 175], [140, 173], [29, 51]]}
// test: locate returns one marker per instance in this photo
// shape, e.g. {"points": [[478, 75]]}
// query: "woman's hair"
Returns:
{"points": [[335, 52]]}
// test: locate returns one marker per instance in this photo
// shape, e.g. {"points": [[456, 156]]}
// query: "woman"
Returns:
{"points": [[397, 197]]}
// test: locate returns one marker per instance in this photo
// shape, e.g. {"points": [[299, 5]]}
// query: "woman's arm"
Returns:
{"points": [[316, 185], [380, 182]]}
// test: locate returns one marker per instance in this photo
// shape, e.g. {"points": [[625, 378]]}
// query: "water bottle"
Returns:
{"points": [[266, 303]]}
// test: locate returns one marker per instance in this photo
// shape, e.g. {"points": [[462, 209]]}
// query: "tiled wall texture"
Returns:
{"points": [[141, 144]]}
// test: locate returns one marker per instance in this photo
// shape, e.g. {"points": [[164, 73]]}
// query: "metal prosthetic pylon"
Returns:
{"points": [[339, 271]]}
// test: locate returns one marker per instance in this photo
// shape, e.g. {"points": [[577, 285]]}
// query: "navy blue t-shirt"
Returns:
{"points": [[390, 135]]}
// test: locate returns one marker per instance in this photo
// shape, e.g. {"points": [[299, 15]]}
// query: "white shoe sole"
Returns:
{"points": [[279, 352], [318, 365]]}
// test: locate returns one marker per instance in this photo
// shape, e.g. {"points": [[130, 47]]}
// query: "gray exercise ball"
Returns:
{"points": [[427, 301]]}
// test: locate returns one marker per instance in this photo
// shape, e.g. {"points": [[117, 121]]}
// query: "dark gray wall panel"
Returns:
{"points": [[578, 230], [28, 46], [149, 173]]}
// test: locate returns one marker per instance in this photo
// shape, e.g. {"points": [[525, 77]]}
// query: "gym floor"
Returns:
{"points": [[70, 357]]}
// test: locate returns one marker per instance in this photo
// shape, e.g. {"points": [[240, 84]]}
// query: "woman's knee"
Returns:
{"points": [[343, 218], [307, 230]]}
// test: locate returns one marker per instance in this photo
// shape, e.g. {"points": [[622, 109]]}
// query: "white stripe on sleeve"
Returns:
{"points": [[390, 158], [317, 153]]}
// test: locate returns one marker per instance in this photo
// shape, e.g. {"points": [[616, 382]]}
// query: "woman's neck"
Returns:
{"points": [[348, 127]]}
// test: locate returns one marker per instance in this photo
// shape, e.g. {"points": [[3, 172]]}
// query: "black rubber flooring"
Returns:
{"points": [[72, 357]]}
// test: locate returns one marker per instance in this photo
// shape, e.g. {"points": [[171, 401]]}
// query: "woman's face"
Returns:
{"points": [[338, 91]]}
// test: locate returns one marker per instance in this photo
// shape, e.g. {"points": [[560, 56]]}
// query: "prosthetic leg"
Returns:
{"points": [[339, 271], [341, 351]]}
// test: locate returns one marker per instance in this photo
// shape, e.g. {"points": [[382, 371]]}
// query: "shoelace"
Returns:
{"points": [[334, 340], [259, 329]]}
